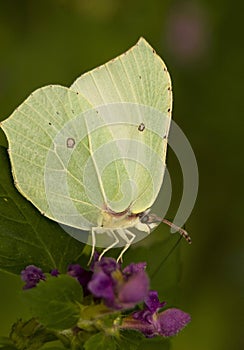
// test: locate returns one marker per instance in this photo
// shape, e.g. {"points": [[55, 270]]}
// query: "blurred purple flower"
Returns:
{"points": [[82, 275], [134, 268], [32, 275], [107, 265], [54, 273], [95, 258], [151, 323], [134, 289], [187, 31], [101, 286], [119, 289]]}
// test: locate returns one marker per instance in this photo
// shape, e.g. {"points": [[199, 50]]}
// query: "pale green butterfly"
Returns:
{"points": [[92, 156]]}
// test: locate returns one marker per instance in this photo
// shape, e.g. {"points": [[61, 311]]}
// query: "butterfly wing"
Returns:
{"points": [[53, 137], [131, 90]]}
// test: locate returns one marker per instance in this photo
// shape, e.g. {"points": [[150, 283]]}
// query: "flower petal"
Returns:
{"points": [[171, 321], [107, 265], [134, 268], [101, 286], [134, 289], [152, 302]]}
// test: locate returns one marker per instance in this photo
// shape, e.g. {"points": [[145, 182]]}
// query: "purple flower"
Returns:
{"points": [[32, 276], [134, 268], [151, 322], [82, 275], [101, 285], [95, 258], [152, 302], [171, 321], [119, 289], [54, 273], [107, 265], [134, 289], [188, 31]]}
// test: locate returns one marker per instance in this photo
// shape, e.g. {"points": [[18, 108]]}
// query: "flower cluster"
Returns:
{"points": [[120, 289]]}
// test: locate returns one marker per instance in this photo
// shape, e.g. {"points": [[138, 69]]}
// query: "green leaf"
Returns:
{"points": [[7, 347], [6, 344], [53, 348], [129, 340], [100, 341], [54, 302], [30, 335], [26, 237], [5, 341], [93, 311], [56, 345]]}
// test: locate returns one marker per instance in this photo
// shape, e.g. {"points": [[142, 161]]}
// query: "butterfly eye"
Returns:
{"points": [[144, 219]]}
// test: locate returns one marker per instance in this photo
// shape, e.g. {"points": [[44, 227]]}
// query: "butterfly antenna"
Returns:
{"points": [[152, 219], [181, 231]]}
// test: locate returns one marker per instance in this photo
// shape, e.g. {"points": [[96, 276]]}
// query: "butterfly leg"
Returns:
{"points": [[116, 241], [93, 244], [124, 235]]}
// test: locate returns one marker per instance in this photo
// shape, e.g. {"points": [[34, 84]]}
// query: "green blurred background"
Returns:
{"points": [[54, 41]]}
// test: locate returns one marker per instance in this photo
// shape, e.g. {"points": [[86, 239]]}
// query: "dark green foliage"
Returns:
{"points": [[55, 302], [27, 237]]}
